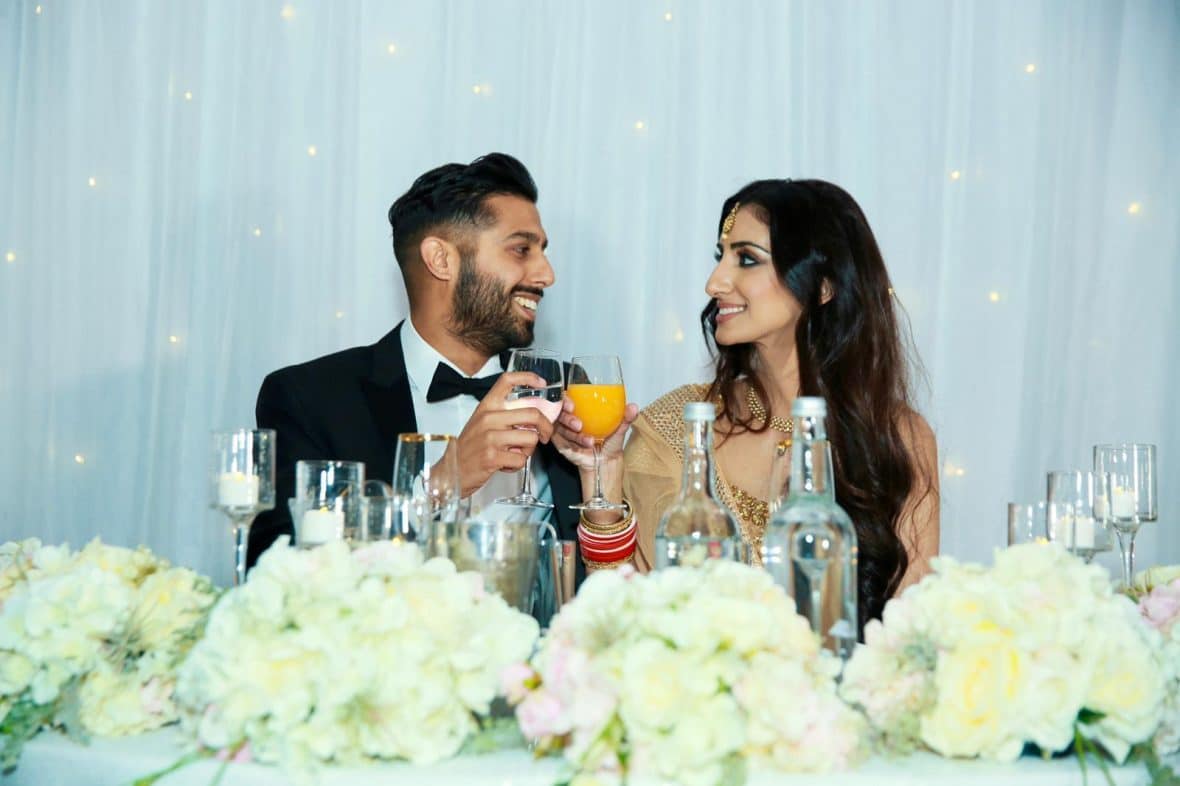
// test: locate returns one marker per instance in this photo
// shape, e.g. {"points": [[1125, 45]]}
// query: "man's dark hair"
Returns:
{"points": [[455, 195]]}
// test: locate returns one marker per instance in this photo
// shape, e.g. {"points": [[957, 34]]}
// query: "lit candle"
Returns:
{"points": [[1123, 503], [1074, 532], [320, 526], [237, 490]]}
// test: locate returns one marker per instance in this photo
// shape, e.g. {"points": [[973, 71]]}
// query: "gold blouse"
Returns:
{"points": [[653, 459]]}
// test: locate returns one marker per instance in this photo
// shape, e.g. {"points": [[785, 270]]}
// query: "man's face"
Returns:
{"points": [[503, 274]]}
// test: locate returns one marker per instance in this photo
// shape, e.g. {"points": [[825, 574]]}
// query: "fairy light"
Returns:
{"points": [[92, 182], [640, 125], [993, 296], [956, 174], [1031, 68], [339, 315], [188, 95], [288, 12], [174, 339], [668, 16], [477, 89], [10, 256], [37, 10], [1134, 208], [311, 151], [391, 49], [257, 231], [79, 458]]}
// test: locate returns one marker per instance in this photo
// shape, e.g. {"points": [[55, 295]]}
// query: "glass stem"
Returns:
{"points": [[597, 469], [526, 479], [1127, 547], [241, 540]]}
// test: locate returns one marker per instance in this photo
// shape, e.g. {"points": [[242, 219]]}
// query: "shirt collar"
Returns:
{"points": [[422, 359]]}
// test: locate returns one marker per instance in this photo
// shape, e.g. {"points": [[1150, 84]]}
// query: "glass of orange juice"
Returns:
{"points": [[595, 385]]}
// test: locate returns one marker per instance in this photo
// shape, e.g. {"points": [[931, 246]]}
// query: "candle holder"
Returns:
{"points": [[1077, 511], [242, 483], [328, 502]]}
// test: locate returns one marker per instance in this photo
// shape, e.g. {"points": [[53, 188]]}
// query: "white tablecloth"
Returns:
{"points": [[51, 759]]}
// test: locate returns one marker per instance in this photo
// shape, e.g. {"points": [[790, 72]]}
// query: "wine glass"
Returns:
{"points": [[242, 483], [1027, 522], [547, 365], [1131, 502], [1077, 513], [328, 501], [426, 488], [596, 388]]}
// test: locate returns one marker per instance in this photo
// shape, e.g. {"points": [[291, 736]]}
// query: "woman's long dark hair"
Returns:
{"points": [[850, 352]]}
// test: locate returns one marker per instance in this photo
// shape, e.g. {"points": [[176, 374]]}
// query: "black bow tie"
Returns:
{"points": [[448, 383]]}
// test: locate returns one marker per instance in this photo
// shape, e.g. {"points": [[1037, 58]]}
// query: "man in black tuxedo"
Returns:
{"points": [[471, 249]]}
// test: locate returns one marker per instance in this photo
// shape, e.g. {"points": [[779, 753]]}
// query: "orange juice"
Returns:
{"points": [[599, 407]]}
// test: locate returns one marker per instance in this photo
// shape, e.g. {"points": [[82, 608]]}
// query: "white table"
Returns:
{"points": [[51, 759]]}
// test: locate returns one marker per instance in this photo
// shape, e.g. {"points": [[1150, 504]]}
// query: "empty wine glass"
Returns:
{"points": [[1132, 502], [242, 483], [548, 399]]}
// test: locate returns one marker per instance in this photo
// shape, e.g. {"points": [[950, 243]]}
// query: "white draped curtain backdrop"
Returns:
{"points": [[194, 194]]}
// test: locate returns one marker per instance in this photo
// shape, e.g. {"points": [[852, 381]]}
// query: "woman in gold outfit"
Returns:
{"points": [[800, 304]]}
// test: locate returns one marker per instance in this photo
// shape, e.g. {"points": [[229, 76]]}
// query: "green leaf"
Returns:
{"points": [[1090, 717]]}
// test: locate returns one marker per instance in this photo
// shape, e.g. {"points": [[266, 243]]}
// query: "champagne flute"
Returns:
{"points": [[426, 486], [1132, 502], [242, 483], [546, 365], [600, 400]]}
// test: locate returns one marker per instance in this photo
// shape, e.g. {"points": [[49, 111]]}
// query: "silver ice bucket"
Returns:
{"points": [[505, 553]]}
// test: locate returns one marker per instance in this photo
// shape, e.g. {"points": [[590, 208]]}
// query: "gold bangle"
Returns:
{"points": [[592, 565], [609, 529]]}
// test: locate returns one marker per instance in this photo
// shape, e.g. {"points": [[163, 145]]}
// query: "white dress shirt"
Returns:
{"points": [[451, 415]]}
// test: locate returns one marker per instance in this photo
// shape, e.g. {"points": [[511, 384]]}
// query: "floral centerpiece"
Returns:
{"points": [[1160, 606], [328, 655], [1037, 649], [90, 640], [686, 674]]}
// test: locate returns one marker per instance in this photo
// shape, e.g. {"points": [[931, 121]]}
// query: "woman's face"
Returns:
{"points": [[753, 305]]}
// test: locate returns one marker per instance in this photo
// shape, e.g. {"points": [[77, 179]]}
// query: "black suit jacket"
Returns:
{"points": [[350, 406]]}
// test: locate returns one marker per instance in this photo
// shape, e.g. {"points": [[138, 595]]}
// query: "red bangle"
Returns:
{"points": [[595, 539], [611, 550]]}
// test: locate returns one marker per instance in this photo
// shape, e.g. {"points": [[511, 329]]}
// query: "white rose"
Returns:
{"points": [[978, 683]]}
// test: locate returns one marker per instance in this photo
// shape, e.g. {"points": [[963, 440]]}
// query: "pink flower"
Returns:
{"points": [[241, 756], [516, 680], [1161, 606], [541, 715], [154, 695]]}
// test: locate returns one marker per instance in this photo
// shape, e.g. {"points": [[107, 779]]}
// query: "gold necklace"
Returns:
{"points": [[758, 411]]}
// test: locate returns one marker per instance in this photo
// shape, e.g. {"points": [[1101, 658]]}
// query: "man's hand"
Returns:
{"points": [[497, 438]]}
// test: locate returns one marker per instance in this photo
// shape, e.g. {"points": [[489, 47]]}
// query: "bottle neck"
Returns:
{"points": [[698, 478], [811, 460]]}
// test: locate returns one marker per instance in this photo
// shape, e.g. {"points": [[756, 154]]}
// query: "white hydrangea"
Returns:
{"points": [[92, 638], [675, 667], [979, 661], [329, 655]]}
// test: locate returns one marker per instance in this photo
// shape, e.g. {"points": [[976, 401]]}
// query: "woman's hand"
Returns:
{"points": [[578, 448]]}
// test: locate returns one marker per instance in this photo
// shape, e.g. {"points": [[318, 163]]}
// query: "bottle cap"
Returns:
{"points": [[809, 407], [700, 412]]}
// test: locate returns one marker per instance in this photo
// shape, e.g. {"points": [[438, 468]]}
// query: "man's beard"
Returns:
{"points": [[482, 313]]}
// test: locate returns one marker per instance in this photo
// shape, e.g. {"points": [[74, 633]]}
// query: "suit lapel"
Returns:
{"points": [[387, 390]]}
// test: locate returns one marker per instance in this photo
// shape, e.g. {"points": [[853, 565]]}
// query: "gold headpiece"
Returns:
{"points": [[728, 223]]}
